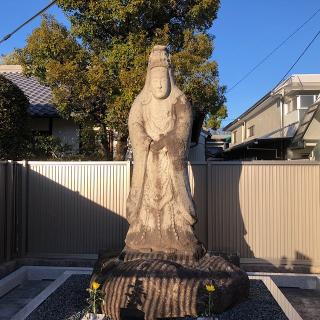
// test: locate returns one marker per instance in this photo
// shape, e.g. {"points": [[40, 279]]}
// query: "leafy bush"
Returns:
{"points": [[48, 148], [13, 120]]}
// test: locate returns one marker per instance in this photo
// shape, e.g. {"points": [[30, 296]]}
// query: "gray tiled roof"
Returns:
{"points": [[40, 97]]}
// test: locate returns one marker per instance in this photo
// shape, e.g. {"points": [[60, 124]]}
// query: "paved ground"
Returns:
{"points": [[306, 302], [17, 298]]}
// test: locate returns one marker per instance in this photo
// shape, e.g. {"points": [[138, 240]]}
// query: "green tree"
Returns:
{"points": [[97, 69], [76, 77], [13, 118]]}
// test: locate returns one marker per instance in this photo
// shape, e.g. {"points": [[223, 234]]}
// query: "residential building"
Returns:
{"points": [[266, 130], [216, 142], [44, 117], [210, 146]]}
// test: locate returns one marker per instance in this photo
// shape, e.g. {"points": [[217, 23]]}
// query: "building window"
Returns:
{"points": [[234, 137], [306, 101], [250, 132]]}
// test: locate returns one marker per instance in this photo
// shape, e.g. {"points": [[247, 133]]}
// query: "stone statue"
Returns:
{"points": [[163, 269], [160, 209]]}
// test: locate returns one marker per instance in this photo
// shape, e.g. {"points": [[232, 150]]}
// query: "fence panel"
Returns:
{"points": [[266, 210], [77, 207], [3, 167]]}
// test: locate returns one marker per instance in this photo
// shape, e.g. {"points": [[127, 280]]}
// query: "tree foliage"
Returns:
{"points": [[13, 117], [98, 68]]}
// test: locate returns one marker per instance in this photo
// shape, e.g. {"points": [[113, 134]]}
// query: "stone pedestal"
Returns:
{"points": [[153, 288]]}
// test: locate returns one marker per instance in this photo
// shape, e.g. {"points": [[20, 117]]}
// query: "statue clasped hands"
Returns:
{"points": [[157, 145]]}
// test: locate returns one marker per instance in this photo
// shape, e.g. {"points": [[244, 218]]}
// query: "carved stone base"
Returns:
{"points": [[155, 289]]}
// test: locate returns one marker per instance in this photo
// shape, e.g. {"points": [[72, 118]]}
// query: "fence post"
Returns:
{"points": [[3, 208], [208, 207], [23, 209], [8, 209]]}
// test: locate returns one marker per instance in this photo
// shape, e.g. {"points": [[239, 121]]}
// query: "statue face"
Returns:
{"points": [[160, 82]]}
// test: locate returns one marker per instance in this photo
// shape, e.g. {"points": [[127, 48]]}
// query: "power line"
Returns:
{"points": [[294, 64], [273, 51], [26, 22], [301, 55]]}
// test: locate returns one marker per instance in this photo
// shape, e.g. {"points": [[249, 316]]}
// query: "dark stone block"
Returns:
{"points": [[166, 289], [233, 258]]}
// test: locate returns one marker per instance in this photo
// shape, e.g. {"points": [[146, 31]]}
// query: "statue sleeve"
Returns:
{"points": [[140, 142], [178, 151], [182, 133], [139, 139]]}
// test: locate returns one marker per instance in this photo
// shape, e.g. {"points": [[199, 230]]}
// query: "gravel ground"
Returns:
{"points": [[66, 303], [305, 301], [69, 302]]}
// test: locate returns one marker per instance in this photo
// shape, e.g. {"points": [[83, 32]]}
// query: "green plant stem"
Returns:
{"points": [[210, 304]]}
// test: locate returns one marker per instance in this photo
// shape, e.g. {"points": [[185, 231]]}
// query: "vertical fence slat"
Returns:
{"points": [[9, 220], [3, 191]]}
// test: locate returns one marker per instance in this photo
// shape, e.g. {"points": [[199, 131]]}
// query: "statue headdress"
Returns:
{"points": [[159, 57]]}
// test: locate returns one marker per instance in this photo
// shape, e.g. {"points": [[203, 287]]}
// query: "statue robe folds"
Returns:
{"points": [[160, 208]]}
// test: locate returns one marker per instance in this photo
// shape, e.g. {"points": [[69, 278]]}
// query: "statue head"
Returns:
{"points": [[159, 81], [159, 64]]}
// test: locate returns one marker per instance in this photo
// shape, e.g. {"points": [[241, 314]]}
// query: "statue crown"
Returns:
{"points": [[159, 57]]}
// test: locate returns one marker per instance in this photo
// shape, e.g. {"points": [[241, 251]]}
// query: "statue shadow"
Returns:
{"points": [[135, 295]]}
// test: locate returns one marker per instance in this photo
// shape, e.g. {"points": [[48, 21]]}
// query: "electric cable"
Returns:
{"points": [[301, 55], [273, 51], [299, 58], [26, 22]]}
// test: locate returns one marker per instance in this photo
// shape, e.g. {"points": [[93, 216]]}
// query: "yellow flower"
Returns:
{"points": [[210, 287], [95, 285]]}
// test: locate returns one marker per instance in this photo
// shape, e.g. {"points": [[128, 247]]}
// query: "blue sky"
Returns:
{"points": [[245, 32]]}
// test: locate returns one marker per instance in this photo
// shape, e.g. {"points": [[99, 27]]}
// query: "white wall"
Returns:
{"points": [[197, 153]]}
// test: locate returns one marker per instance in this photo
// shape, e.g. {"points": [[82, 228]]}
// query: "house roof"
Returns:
{"points": [[40, 97]]}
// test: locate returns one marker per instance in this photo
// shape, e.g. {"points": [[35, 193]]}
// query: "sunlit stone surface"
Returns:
{"points": [[163, 268]]}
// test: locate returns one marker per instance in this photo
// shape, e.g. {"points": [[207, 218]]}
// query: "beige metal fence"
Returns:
{"points": [[268, 212], [2, 209], [76, 207], [10, 209]]}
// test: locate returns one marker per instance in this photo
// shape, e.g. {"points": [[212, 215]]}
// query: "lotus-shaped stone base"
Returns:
{"points": [[151, 288]]}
